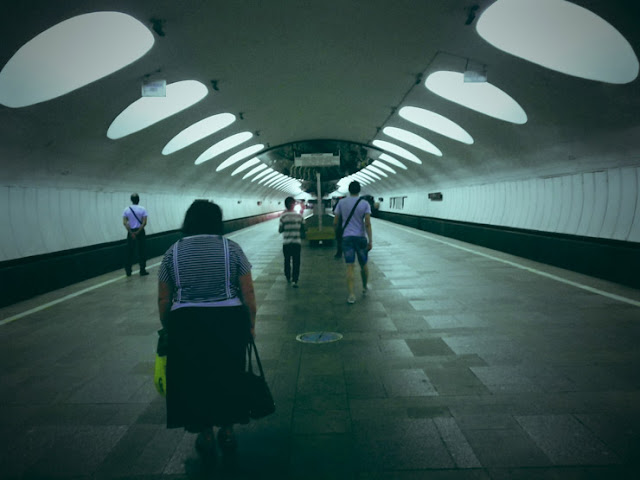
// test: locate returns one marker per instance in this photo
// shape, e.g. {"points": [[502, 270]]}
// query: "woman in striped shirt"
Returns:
{"points": [[207, 303]]}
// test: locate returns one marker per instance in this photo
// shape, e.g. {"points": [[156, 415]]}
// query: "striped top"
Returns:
{"points": [[290, 223], [201, 271]]}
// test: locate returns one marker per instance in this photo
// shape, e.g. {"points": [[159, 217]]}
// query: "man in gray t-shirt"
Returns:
{"points": [[357, 238]]}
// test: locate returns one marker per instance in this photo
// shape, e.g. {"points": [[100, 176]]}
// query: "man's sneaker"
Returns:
{"points": [[365, 290], [351, 299], [295, 284], [143, 273]]}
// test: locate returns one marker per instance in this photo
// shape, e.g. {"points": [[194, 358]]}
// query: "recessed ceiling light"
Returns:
{"points": [[382, 165], [245, 165], [412, 139], [70, 55], [268, 171], [482, 97], [561, 36], [147, 111], [389, 159], [436, 123], [241, 155], [198, 131], [223, 146], [255, 170], [393, 148]]}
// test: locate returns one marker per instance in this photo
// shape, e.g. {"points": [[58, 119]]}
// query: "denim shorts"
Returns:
{"points": [[355, 246]]}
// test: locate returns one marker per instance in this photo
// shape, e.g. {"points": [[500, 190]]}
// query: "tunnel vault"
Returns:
{"points": [[354, 156]]}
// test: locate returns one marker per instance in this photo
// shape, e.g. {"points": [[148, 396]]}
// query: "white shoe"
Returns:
{"points": [[351, 299], [295, 284], [365, 290]]}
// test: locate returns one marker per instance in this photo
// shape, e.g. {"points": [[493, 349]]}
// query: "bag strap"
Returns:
{"points": [[227, 268], [251, 347], [134, 214], [344, 226], [176, 272]]}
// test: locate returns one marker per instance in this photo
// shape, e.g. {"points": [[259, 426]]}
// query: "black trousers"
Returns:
{"points": [[292, 255], [133, 244]]}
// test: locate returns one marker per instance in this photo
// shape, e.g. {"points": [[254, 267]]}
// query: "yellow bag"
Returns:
{"points": [[160, 376]]}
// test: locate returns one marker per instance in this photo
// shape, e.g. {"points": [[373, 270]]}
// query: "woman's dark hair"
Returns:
{"points": [[203, 217]]}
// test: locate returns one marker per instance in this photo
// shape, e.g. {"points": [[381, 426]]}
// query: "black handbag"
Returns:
{"points": [[257, 393]]}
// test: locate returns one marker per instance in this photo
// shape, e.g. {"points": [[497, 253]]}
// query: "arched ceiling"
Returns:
{"points": [[315, 77]]}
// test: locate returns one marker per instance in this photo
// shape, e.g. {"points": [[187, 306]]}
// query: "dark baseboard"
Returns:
{"points": [[25, 278], [611, 260]]}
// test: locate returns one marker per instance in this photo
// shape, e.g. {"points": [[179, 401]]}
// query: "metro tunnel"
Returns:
{"points": [[498, 144]]}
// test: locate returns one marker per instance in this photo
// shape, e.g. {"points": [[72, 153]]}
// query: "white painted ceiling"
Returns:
{"points": [[297, 73]]}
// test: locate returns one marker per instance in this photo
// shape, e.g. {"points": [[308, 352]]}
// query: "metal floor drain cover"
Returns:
{"points": [[319, 337]]}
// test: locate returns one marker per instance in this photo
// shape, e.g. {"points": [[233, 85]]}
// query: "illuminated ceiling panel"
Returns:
{"points": [[241, 155], [436, 123], [393, 148], [479, 96], [198, 131], [412, 139], [70, 55], [389, 159], [147, 111], [245, 165], [383, 166], [223, 146], [255, 170], [561, 36]]}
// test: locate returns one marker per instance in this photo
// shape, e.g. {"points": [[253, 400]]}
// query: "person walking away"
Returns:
{"points": [[206, 301], [134, 219], [354, 216], [292, 228]]}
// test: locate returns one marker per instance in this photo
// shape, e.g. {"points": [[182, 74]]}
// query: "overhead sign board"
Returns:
{"points": [[317, 160]]}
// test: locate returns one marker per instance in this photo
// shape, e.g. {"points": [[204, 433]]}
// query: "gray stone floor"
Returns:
{"points": [[461, 363]]}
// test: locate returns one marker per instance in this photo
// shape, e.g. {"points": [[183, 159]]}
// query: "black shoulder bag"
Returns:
{"points": [[257, 394], [340, 228]]}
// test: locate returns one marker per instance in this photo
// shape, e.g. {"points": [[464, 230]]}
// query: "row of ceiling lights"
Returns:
{"points": [[558, 35], [584, 45]]}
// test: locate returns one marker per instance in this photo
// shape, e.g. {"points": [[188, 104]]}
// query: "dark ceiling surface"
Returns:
{"points": [[307, 76]]}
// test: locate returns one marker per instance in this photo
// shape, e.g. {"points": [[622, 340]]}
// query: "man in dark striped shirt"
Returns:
{"points": [[292, 227]]}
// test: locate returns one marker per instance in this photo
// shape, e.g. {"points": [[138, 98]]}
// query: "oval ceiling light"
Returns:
{"points": [[147, 111], [245, 165], [269, 176], [376, 170], [362, 178], [241, 155], [412, 139], [369, 174], [198, 131], [70, 55], [436, 123], [561, 36], [223, 146], [393, 148], [479, 96], [268, 171], [253, 171], [389, 159], [381, 165]]}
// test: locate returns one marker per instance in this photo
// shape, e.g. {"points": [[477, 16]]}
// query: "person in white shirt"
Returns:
{"points": [[134, 219]]}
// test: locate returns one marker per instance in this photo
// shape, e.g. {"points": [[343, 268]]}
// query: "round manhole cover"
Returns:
{"points": [[319, 337]]}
